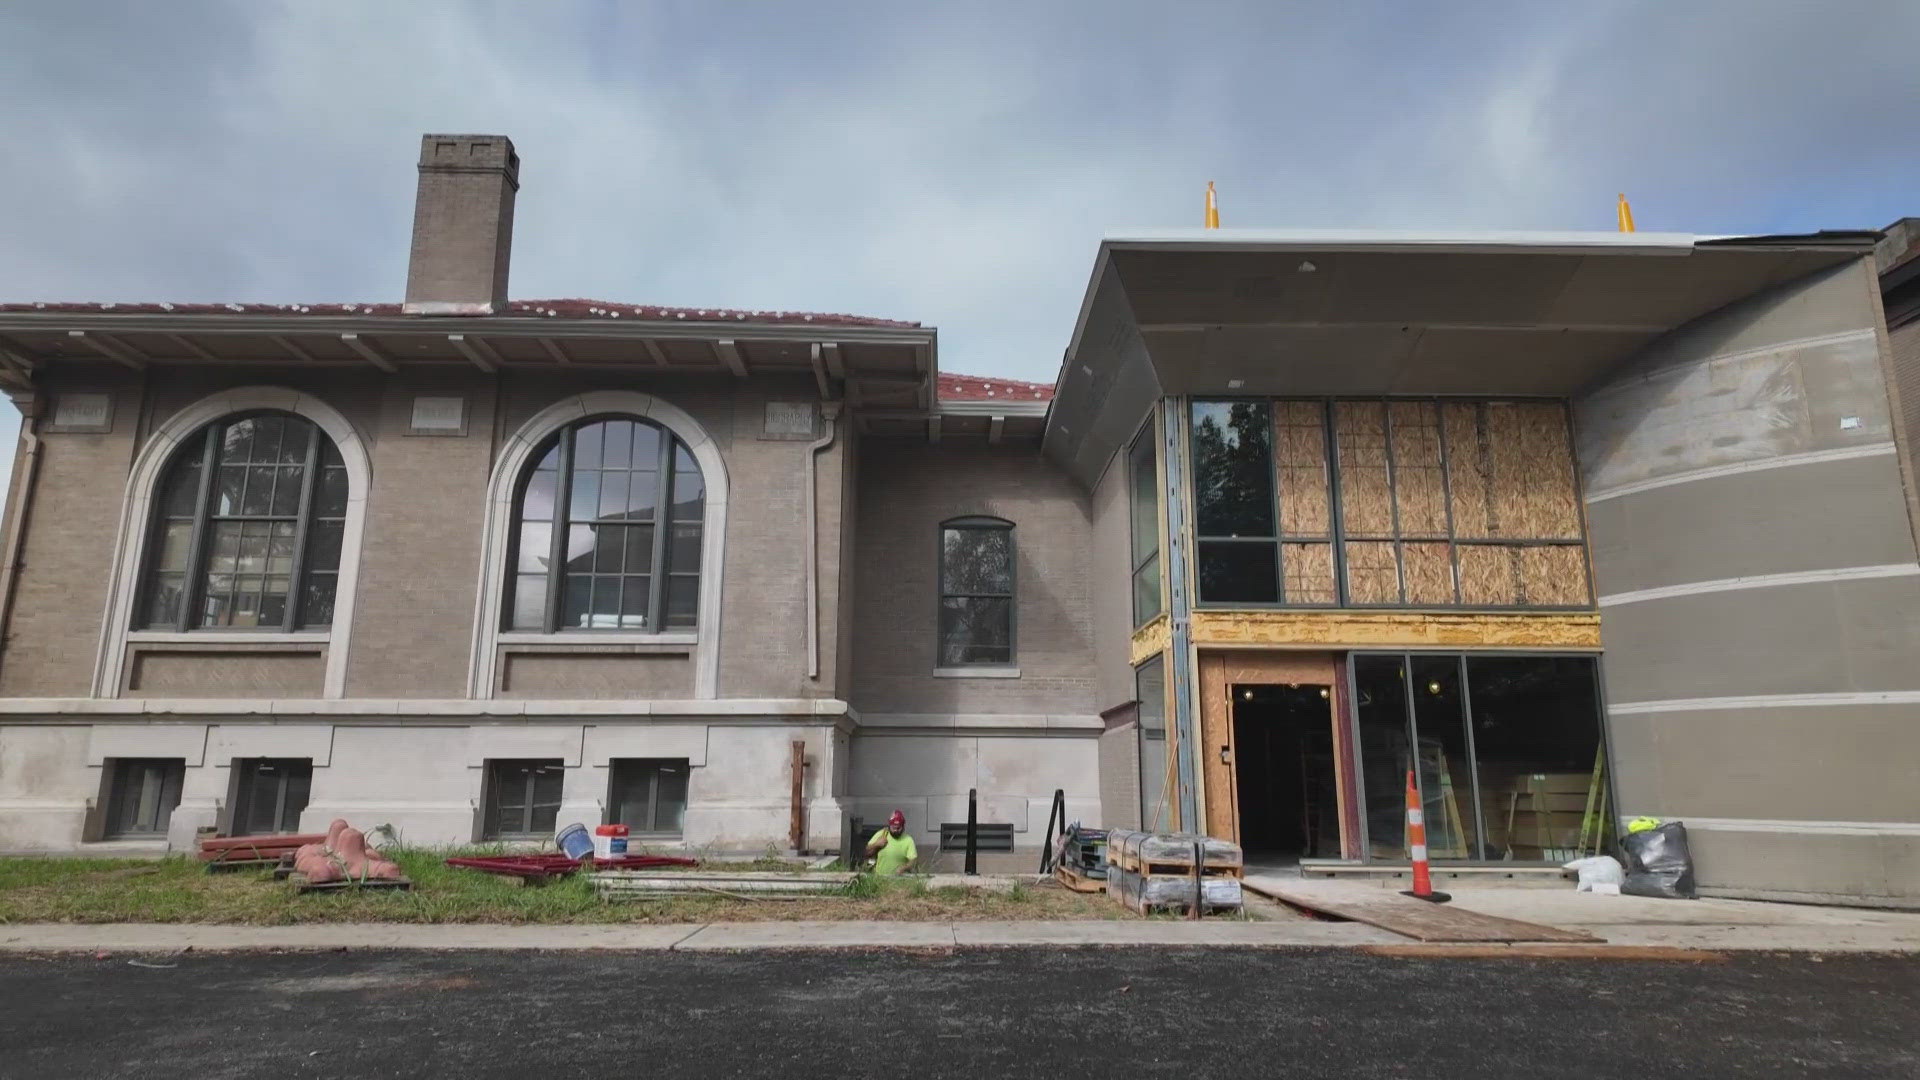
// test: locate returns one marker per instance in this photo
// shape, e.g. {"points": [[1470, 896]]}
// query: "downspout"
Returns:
{"points": [[26, 470], [830, 410]]}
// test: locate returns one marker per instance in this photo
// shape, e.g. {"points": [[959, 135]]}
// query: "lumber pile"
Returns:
{"points": [[1165, 871], [641, 885]]}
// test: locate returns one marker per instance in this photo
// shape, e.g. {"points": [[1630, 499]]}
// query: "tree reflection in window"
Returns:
{"points": [[607, 531], [976, 592]]}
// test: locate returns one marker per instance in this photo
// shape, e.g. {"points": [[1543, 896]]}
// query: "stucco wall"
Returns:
{"points": [[1760, 594]]}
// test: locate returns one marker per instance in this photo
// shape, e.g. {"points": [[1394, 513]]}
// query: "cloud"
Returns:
{"points": [[954, 164]]}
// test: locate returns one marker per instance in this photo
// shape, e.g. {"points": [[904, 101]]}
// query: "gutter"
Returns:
{"points": [[831, 411], [25, 472]]}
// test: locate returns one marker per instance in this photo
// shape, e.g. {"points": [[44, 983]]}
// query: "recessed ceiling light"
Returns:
{"points": [[1235, 384], [1307, 267]]}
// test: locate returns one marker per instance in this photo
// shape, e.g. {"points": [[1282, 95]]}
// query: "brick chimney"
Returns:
{"points": [[462, 225]]}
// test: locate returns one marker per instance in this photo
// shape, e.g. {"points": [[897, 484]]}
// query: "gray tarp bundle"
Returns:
{"points": [[1658, 863]]}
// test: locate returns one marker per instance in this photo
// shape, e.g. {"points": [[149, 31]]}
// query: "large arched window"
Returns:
{"points": [[247, 527], [607, 531]]}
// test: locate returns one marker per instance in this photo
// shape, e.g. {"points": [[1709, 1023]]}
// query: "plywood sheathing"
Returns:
{"points": [[1373, 572], [1301, 463], [1309, 573], [1397, 629], [1419, 488], [1429, 570]]}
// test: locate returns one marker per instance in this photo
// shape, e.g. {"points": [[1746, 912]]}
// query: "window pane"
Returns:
{"points": [[273, 600], [332, 498], [642, 493], [254, 537], [258, 499], [1536, 734], [586, 496], [530, 602], [1233, 469], [174, 542], [1381, 711], [1146, 591], [280, 548], [613, 496], [536, 503], [1144, 506], [609, 548], [536, 547], [287, 481], [177, 500], [630, 796], [323, 545], [975, 631], [237, 441], [1446, 773], [670, 797], [163, 600], [1238, 572], [635, 593], [605, 614], [646, 447], [977, 560], [1156, 792], [229, 482], [575, 599], [316, 604], [617, 451], [683, 601], [546, 797], [639, 539], [586, 445]]}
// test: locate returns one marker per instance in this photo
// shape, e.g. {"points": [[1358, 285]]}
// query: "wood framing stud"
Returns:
{"points": [[117, 351], [995, 427], [372, 353], [555, 351], [292, 349], [476, 350], [730, 355], [836, 364], [658, 354]]}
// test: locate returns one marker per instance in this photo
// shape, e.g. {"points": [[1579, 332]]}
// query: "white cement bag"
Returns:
{"points": [[1599, 870]]}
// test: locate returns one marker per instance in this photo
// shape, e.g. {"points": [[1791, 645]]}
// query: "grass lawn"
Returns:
{"points": [[179, 890]]}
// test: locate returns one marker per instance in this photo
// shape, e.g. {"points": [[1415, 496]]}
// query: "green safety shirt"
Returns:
{"points": [[899, 851]]}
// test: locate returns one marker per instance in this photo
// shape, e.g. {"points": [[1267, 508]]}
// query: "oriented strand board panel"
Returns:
{"points": [[1555, 575], [1467, 470], [1373, 573], [1418, 480], [1366, 497], [1532, 476], [1309, 573], [1489, 575], [1300, 455], [1429, 572]]}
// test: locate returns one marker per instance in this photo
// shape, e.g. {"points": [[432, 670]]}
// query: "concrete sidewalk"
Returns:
{"points": [[1629, 926]]}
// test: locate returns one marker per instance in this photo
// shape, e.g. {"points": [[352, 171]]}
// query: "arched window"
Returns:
{"points": [[607, 531], [976, 592], [247, 527]]}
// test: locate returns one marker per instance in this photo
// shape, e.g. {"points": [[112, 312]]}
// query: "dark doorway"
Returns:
{"points": [[1284, 773]]}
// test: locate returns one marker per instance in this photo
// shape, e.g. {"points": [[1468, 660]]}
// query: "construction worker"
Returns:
{"points": [[891, 849]]}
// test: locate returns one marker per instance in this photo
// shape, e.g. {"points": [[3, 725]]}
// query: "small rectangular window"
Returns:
{"points": [[523, 798], [143, 795], [271, 795], [649, 795], [976, 593], [1143, 483]]}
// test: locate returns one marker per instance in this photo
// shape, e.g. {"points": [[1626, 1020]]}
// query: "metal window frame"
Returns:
{"points": [[562, 524], [190, 617], [1337, 510], [1011, 596], [1466, 703], [490, 802], [1150, 798], [173, 775], [651, 767], [1140, 562], [244, 794]]}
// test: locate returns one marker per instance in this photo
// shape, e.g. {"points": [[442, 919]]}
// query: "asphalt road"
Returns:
{"points": [[1118, 1013]]}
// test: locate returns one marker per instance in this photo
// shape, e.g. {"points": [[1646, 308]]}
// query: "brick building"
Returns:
{"points": [[1572, 526]]}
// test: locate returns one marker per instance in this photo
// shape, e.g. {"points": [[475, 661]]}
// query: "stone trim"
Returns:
{"points": [[484, 664], [123, 587]]}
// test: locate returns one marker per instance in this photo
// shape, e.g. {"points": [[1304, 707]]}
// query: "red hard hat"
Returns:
{"points": [[896, 818]]}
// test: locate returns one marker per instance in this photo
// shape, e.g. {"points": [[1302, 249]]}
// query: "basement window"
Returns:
{"points": [[522, 798], [142, 795], [649, 795], [271, 795]]}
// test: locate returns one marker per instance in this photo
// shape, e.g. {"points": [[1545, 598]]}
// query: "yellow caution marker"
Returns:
{"points": [[1626, 214], [1213, 208]]}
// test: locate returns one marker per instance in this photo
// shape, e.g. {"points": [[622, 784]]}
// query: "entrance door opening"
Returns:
{"points": [[1284, 775]]}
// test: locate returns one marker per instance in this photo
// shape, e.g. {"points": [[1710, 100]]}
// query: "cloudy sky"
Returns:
{"points": [[950, 163]]}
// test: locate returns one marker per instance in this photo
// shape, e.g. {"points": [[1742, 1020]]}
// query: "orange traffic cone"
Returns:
{"points": [[1417, 840]]}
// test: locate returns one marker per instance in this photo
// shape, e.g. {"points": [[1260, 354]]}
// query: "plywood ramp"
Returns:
{"points": [[1404, 915]]}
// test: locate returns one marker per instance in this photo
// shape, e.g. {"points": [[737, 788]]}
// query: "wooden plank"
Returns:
{"points": [[1078, 882], [1416, 919]]}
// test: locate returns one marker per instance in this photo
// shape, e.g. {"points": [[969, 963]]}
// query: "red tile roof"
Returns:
{"points": [[984, 388], [566, 309]]}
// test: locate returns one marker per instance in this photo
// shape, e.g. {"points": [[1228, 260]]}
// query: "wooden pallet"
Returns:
{"points": [[1077, 881], [382, 884]]}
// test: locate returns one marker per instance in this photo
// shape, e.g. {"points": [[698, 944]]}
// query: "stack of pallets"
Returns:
{"points": [[1082, 862], [1165, 871]]}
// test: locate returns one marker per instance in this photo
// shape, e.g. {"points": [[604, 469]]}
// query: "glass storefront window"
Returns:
{"points": [[1156, 788], [1511, 766]]}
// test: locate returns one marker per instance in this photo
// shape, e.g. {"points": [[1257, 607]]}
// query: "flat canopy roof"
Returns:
{"points": [[1322, 312]]}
